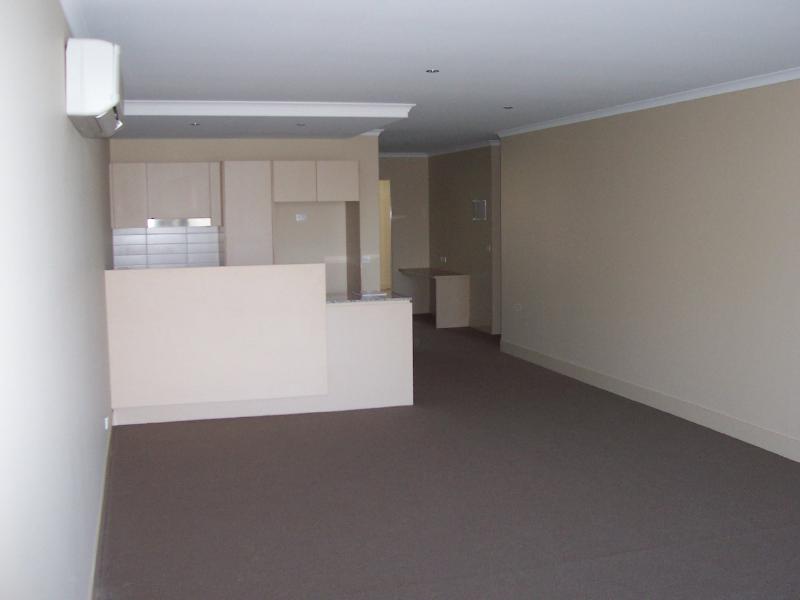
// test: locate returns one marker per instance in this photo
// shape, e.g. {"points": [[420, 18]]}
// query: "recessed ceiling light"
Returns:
{"points": [[431, 70], [194, 123], [301, 124], [508, 107]]}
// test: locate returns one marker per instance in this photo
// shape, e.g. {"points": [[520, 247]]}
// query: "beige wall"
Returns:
{"points": [[317, 235], [455, 180], [361, 148], [410, 224], [495, 215], [656, 254], [54, 384]]}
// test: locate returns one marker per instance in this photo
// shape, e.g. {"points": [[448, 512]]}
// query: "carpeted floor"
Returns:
{"points": [[504, 481]]}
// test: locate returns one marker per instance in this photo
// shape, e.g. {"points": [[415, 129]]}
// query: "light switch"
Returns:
{"points": [[300, 217]]}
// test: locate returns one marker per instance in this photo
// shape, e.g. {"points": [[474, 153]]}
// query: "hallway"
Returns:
{"points": [[503, 481]]}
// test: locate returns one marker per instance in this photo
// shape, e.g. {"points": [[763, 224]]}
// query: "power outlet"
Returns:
{"points": [[106, 423], [443, 259]]}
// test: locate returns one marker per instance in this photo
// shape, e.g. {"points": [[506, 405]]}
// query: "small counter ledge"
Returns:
{"points": [[450, 293], [365, 297]]}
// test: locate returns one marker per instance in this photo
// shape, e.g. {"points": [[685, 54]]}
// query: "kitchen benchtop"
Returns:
{"points": [[366, 297]]}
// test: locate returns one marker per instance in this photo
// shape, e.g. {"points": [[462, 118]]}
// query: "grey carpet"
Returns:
{"points": [[504, 481]]}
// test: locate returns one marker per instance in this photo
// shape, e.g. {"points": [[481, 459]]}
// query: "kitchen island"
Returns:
{"points": [[222, 342]]}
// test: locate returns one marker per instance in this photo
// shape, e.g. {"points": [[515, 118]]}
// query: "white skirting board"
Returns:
{"points": [[747, 432], [246, 408]]}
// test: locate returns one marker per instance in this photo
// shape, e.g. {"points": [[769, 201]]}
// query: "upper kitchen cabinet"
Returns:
{"points": [[141, 191], [337, 181], [183, 191], [294, 181], [128, 195], [315, 181], [247, 197]]}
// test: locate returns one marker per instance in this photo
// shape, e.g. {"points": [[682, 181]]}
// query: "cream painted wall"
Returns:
{"points": [[657, 254], [54, 386], [495, 215], [361, 148], [313, 232], [410, 224], [455, 180]]}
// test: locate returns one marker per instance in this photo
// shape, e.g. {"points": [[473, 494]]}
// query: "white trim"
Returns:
{"points": [[748, 432], [402, 155], [101, 513], [372, 133], [703, 92], [466, 147], [179, 108], [136, 415]]}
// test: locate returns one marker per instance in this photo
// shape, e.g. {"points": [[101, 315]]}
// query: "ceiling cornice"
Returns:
{"points": [[451, 150], [465, 147], [695, 94], [190, 108], [402, 155]]}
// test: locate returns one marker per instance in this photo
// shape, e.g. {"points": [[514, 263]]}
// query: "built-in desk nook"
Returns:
{"points": [[449, 295]]}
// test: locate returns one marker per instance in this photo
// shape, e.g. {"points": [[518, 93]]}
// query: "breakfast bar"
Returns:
{"points": [[221, 342]]}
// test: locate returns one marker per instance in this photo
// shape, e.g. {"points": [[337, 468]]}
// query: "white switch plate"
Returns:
{"points": [[105, 423], [300, 217]]}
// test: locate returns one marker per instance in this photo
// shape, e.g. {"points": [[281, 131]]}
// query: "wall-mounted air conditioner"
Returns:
{"points": [[94, 87]]}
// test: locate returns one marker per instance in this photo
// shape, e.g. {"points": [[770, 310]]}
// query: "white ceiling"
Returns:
{"points": [[547, 58]]}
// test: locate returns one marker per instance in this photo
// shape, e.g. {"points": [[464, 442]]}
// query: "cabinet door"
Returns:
{"points": [[178, 190], [214, 174], [128, 182], [294, 181], [337, 180], [247, 210]]}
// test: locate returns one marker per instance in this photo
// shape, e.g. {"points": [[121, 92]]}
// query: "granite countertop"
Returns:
{"points": [[366, 297]]}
